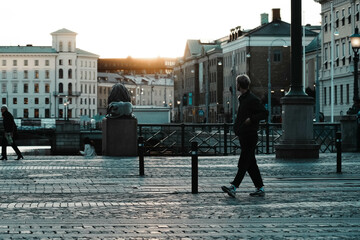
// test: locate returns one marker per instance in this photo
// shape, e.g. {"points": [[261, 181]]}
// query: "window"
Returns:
{"points": [[26, 88], [26, 74], [47, 88], [26, 63], [324, 95], [60, 62], [15, 88], [70, 88], [70, 62], [326, 54], [47, 63], [277, 56], [14, 100], [36, 100], [3, 74], [36, 113], [36, 74], [14, 62], [15, 75], [347, 94], [61, 101], [60, 46], [47, 74], [47, 100], [70, 73], [3, 88], [330, 95], [26, 101], [61, 73], [61, 88], [341, 94], [47, 113], [36, 88], [335, 95], [3, 100], [4, 62], [26, 113], [36, 62], [337, 50], [61, 113]]}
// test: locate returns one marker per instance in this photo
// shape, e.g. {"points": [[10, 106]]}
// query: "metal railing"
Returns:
{"points": [[220, 139]]}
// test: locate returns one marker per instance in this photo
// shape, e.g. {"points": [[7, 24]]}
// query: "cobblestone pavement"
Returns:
{"points": [[69, 197]]}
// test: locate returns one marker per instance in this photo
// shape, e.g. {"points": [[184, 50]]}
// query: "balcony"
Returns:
{"points": [[68, 93]]}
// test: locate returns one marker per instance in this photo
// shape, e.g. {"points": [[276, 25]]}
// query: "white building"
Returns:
{"points": [[336, 84], [57, 81]]}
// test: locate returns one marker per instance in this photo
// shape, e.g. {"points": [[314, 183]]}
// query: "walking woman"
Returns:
{"points": [[8, 136]]}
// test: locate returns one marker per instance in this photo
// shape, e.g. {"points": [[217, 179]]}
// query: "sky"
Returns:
{"points": [[137, 28]]}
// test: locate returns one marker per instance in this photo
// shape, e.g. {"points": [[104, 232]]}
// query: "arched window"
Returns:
{"points": [[60, 46], [61, 73], [70, 73], [61, 88], [69, 46], [70, 89]]}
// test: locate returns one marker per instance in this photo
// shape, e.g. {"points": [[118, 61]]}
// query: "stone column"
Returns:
{"points": [[349, 133], [119, 137], [297, 108]]}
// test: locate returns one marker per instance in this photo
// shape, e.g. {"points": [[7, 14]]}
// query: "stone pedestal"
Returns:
{"points": [[297, 125], [119, 137], [349, 133], [67, 138]]}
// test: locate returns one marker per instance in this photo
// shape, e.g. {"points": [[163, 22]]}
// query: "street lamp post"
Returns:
{"points": [[355, 44], [269, 75], [66, 103], [178, 106]]}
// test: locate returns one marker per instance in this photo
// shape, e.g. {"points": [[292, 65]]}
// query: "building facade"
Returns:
{"points": [[145, 90], [205, 76], [57, 81], [136, 66], [198, 84], [339, 19]]}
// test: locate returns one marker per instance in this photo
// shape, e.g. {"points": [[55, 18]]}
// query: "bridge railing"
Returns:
{"points": [[220, 139]]}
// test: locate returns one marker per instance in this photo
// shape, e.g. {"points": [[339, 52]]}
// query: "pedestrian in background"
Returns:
{"points": [[89, 148], [10, 131], [246, 126]]}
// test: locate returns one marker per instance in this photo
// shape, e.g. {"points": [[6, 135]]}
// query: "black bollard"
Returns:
{"points": [[141, 156], [194, 167], [338, 152]]}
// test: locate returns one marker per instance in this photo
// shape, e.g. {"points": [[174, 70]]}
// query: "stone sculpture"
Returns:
{"points": [[119, 102]]}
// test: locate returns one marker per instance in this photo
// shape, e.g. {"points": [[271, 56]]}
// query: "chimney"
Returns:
{"points": [[276, 14], [264, 18]]}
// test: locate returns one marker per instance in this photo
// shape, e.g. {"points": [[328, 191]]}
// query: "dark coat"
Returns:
{"points": [[8, 122], [249, 107]]}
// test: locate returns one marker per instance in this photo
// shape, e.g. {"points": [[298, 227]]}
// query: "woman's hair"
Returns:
{"points": [[243, 81], [87, 140]]}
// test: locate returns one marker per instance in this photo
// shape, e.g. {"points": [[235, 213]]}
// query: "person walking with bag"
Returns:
{"points": [[246, 126], [8, 136]]}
